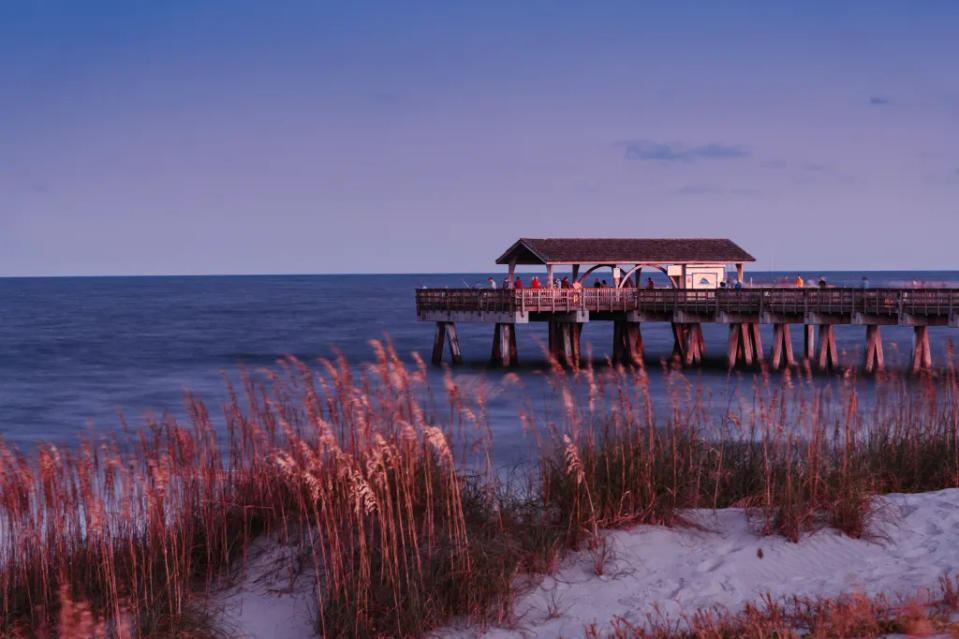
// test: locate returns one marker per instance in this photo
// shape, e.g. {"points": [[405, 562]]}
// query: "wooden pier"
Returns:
{"points": [[743, 310], [700, 293]]}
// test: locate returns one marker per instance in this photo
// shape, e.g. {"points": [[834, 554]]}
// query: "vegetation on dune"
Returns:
{"points": [[390, 493]]}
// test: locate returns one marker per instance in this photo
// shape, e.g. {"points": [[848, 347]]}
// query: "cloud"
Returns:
{"points": [[659, 152], [708, 189], [877, 100]]}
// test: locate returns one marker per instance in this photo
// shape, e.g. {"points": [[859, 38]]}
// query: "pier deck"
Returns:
{"points": [[742, 309]]}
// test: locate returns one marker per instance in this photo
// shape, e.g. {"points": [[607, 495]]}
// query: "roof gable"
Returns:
{"points": [[624, 250]]}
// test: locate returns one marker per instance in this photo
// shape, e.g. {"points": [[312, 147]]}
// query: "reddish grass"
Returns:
{"points": [[924, 614], [391, 494]]}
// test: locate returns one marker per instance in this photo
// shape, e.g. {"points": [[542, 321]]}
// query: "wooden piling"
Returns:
{"points": [[828, 355], [745, 344], [695, 345], [874, 360], [921, 354], [782, 347], [809, 342], [504, 346], [438, 340], [627, 342]]}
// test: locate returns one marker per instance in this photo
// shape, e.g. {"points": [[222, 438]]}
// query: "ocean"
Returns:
{"points": [[77, 351]]}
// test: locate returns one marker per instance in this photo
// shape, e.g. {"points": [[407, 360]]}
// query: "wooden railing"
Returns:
{"points": [[787, 301]]}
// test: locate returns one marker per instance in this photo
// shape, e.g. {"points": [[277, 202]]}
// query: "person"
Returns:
{"points": [[628, 283], [722, 283], [534, 283], [799, 282], [738, 284], [556, 283], [822, 282], [604, 284], [596, 283], [564, 283], [650, 284], [865, 282], [492, 283], [518, 284], [506, 282], [576, 285]]}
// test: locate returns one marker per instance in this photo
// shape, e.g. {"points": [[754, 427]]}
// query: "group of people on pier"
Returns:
{"points": [[564, 283]]}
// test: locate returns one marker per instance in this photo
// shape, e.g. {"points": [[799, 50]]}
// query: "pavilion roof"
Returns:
{"points": [[528, 250]]}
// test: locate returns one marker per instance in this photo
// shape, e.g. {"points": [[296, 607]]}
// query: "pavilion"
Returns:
{"points": [[689, 263]]}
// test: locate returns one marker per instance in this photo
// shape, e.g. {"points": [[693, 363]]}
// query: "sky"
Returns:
{"points": [[229, 136]]}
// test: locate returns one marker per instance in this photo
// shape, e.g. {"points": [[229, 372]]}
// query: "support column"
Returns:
{"points": [[874, 357], [627, 342], [809, 342], [564, 343], [757, 342], [695, 345], [679, 341], [504, 346], [782, 347], [438, 340], [921, 354], [743, 344], [454, 341], [828, 355]]}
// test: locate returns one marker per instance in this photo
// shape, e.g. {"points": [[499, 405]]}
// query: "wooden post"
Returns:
{"points": [[874, 358], [679, 341], [739, 272], [734, 348], [745, 344], [496, 354], [695, 345], [454, 341], [627, 342], [549, 276], [921, 354], [576, 330], [575, 272], [782, 345], [438, 343], [757, 342], [512, 273], [809, 342], [828, 355]]}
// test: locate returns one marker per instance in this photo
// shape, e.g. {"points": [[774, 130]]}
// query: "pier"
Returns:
{"points": [[815, 311]]}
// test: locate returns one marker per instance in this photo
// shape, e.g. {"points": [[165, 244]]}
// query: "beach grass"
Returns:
{"points": [[389, 489]]}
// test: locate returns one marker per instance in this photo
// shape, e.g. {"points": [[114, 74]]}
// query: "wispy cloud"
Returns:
{"points": [[647, 150], [709, 189], [878, 100]]}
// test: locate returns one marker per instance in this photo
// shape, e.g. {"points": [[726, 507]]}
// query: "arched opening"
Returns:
{"points": [[639, 267]]}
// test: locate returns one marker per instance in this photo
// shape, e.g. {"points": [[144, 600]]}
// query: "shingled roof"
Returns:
{"points": [[623, 251]]}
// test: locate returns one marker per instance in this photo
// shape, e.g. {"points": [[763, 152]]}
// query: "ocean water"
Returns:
{"points": [[76, 351]]}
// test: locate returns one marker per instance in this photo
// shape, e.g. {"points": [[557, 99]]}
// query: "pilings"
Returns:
{"points": [[627, 343], [921, 354], [745, 344], [874, 360], [828, 357], [782, 347], [504, 346], [564, 339], [809, 342], [444, 331]]}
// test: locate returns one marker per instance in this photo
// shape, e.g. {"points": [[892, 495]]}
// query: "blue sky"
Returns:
{"points": [[308, 137]]}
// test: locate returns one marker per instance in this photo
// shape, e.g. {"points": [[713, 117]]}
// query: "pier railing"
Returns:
{"points": [[787, 301]]}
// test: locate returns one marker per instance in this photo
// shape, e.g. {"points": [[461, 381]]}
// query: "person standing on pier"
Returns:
{"points": [[650, 284], [492, 283], [865, 282], [519, 283], [799, 282], [534, 283]]}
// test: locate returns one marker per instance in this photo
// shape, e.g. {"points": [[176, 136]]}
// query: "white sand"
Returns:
{"points": [[915, 540]]}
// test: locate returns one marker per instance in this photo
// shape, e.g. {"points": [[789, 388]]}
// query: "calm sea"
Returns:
{"points": [[75, 351]]}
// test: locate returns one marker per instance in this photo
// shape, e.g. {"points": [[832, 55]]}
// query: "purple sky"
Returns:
{"points": [[160, 138]]}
